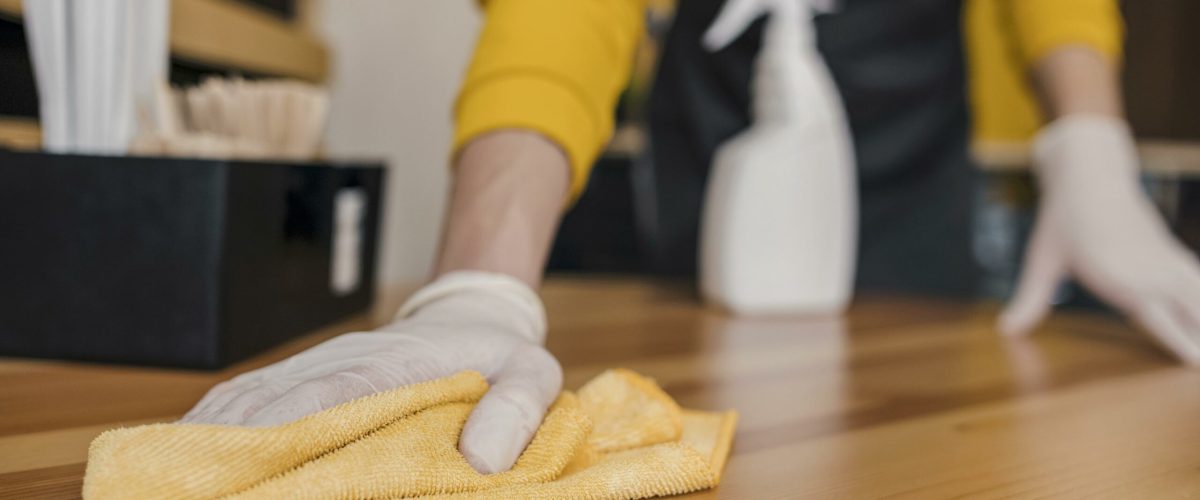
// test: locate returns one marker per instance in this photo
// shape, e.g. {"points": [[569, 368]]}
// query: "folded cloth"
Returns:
{"points": [[620, 437]]}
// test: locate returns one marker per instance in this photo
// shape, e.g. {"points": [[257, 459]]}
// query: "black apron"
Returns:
{"points": [[900, 70]]}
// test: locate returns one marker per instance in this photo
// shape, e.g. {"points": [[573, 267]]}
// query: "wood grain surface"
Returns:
{"points": [[903, 398]]}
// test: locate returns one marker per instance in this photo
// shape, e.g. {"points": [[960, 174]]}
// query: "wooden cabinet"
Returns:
{"points": [[1162, 71]]}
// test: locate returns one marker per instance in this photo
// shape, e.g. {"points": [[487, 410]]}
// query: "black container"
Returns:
{"points": [[172, 262]]}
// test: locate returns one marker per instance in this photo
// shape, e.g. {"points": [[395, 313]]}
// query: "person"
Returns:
{"points": [[536, 109]]}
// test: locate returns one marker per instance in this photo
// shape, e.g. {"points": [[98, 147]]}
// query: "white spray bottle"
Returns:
{"points": [[779, 227]]}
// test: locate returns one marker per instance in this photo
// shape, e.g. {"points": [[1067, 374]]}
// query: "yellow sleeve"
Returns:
{"points": [[1006, 37], [556, 67], [1040, 26]]}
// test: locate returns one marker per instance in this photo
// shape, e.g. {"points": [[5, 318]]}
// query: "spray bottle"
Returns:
{"points": [[779, 228]]}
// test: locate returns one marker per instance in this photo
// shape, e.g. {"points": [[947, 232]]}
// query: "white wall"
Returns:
{"points": [[396, 67]]}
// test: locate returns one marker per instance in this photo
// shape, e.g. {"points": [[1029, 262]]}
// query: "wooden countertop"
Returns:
{"points": [[1171, 159], [905, 398], [1159, 158]]}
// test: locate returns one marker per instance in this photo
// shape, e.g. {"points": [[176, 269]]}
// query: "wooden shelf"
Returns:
{"points": [[1158, 157], [628, 141], [10, 9], [1171, 157], [227, 34], [20, 133]]}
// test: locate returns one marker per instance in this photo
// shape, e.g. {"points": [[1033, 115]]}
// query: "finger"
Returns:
{"points": [[735, 17], [504, 421], [1183, 301], [341, 353], [1187, 307], [219, 395], [311, 397], [1043, 271], [1160, 320], [1187, 297], [1188, 318], [222, 393], [245, 403]]}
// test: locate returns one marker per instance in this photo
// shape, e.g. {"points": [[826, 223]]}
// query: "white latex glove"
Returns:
{"points": [[779, 224], [465, 320], [1096, 225]]}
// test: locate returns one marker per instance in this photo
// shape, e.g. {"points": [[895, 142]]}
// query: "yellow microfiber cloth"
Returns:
{"points": [[620, 437]]}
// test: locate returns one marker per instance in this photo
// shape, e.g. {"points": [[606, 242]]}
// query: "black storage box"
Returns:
{"points": [[174, 262]]}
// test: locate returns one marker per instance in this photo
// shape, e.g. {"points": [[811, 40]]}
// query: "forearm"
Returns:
{"points": [[507, 199], [1077, 79]]}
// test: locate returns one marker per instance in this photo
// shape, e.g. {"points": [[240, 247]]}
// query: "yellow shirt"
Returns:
{"points": [[558, 66], [1006, 37]]}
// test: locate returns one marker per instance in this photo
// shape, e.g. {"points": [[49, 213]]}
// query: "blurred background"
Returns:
{"points": [[393, 69]]}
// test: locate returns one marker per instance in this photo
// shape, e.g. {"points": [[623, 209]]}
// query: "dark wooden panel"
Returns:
{"points": [[1162, 72]]}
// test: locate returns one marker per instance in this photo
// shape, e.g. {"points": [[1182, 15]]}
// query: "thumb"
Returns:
{"points": [[506, 418], [1041, 275]]}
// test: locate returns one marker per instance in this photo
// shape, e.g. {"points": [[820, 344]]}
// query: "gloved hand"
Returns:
{"points": [[1096, 225], [465, 320]]}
